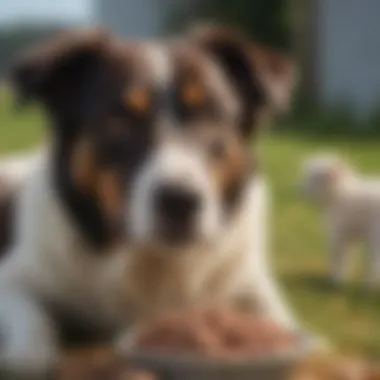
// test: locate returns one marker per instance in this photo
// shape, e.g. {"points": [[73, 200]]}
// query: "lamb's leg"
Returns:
{"points": [[373, 274], [339, 252]]}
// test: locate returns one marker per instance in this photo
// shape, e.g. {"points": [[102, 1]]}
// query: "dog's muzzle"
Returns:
{"points": [[176, 209]]}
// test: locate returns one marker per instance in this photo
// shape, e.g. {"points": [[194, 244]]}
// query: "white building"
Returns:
{"points": [[343, 60], [139, 18]]}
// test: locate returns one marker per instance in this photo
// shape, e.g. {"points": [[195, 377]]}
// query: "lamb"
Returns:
{"points": [[351, 204]]}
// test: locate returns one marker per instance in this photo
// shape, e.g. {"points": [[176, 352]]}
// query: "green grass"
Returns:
{"points": [[349, 316], [19, 129]]}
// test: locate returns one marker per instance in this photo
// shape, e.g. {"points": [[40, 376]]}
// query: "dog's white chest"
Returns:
{"points": [[150, 285]]}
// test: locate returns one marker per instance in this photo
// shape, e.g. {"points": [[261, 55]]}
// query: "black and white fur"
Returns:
{"points": [[51, 266]]}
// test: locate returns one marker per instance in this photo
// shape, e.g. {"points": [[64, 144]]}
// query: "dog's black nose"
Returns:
{"points": [[175, 203]]}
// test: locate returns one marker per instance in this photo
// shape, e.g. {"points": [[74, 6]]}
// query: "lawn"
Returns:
{"points": [[349, 316]]}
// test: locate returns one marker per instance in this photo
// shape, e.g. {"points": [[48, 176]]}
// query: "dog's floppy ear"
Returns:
{"points": [[277, 74], [264, 78], [54, 72]]}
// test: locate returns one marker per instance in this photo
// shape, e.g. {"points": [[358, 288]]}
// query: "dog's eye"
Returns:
{"points": [[193, 102], [193, 95], [138, 100], [217, 149]]}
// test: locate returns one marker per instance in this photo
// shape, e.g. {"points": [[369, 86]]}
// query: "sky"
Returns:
{"points": [[17, 11]]}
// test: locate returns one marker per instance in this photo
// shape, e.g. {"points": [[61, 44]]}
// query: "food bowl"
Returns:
{"points": [[218, 343], [191, 367]]}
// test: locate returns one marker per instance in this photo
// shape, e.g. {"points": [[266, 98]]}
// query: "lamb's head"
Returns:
{"points": [[323, 176]]}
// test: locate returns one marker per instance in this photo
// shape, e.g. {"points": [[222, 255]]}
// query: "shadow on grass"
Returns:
{"points": [[322, 287], [337, 123], [312, 282], [324, 135]]}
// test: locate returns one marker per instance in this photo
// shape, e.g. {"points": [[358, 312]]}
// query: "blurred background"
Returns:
{"points": [[337, 46]]}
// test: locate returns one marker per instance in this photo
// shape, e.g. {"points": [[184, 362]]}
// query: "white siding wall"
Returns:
{"points": [[348, 54], [142, 18]]}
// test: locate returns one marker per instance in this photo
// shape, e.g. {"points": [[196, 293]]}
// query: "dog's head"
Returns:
{"points": [[152, 140]]}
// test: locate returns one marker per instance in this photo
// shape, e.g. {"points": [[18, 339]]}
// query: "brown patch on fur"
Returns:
{"points": [[138, 99], [231, 170], [83, 167], [110, 192], [229, 167], [193, 94], [92, 178]]}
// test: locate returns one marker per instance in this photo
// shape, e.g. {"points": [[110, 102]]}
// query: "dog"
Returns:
{"points": [[352, 207], [147, 197]]}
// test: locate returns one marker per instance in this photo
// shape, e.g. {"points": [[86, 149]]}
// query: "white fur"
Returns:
{"points": [[15, 168], [157, 57], [352, 207], [49, 261], [173, 163]]}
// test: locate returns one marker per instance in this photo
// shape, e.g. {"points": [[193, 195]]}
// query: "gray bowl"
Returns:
{"points": [[182, 367]]}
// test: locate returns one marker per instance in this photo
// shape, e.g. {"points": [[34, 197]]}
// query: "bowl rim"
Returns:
{"points": [[189, 361]]}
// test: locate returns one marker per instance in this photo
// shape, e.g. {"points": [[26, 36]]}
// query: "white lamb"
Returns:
{"points": [[352, 209]]}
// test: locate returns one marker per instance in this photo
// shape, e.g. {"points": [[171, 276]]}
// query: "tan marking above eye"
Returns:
{"points": [[230, 168], [137, 99], [193, 94]]}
